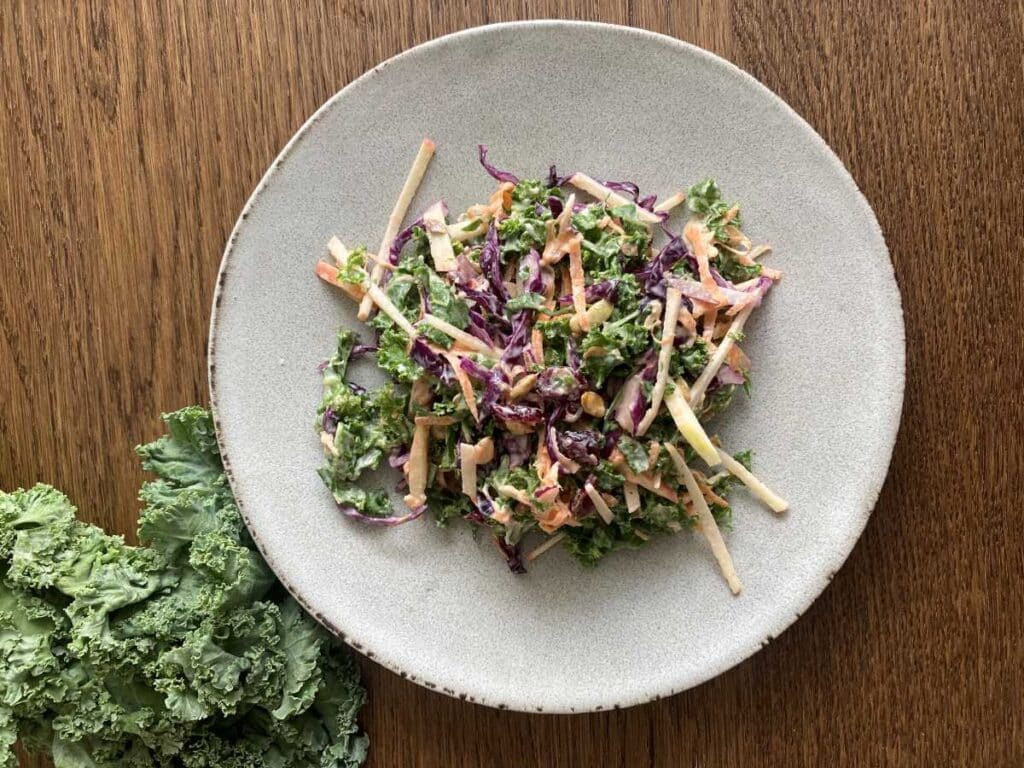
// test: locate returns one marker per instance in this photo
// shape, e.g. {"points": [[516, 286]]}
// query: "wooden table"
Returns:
{"points": [[132, 133]]}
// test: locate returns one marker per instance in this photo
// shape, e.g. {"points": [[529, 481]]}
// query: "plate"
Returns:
{"points": [[439, 606]]}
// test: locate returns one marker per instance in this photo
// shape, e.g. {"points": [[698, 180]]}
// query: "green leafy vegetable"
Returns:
{"points": [[529, 301], [511, 436], [393, 357], [354, 269], [689, 361], [181, 653], [706, 198], [636, 454], [732, 270]]}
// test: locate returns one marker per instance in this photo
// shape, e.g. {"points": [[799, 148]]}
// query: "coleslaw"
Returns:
{"points": [[554, 354]]}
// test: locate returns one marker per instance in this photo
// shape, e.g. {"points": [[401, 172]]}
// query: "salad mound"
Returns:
{"points": [[551, 365]]}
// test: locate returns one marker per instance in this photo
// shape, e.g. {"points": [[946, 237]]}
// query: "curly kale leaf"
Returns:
{"points": [[182, 652]]}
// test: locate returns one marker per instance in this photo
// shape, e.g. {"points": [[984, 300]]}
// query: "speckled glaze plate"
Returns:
{"points": [[439, 606]]}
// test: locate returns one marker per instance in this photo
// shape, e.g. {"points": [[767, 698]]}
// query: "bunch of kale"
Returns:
{"points": [[184, 652]]}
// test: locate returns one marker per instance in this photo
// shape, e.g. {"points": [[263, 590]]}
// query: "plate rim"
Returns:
{"points": [[815, 588]]}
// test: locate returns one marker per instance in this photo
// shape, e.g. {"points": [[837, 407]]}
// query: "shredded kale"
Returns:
{"points": [[706, 198], [689, 361]]}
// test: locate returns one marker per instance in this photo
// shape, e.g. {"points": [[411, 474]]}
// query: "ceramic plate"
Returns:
{"points": [[439, 606]]}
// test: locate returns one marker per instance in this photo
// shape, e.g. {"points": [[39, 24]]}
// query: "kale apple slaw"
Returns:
{"points": [[551, 368]]}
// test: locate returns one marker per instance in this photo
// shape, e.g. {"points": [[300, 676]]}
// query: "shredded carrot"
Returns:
{"points": [[467, 467], [609, 223], [500, 200], [420, 393], [686, 320], [566, 286], [329, 274], [653, 451], [537, 342], [501, 514], [559, 246], [553, 517], [737, 359], [644, 480], [511, 492], [710, 318], [468, 393], [327, 440], [700, 240], [543, 460], [696, 396]]}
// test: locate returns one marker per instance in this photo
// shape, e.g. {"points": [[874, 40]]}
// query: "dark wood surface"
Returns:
{"points": [[131, 133]]}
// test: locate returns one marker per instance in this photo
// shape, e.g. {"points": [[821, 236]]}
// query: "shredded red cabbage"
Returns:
{"points": [[605, 289], [518, 413], [401, 239], [498, 175], [517, 449], [398, 458], [495, 382], [430, 361], [512, 555], [535, 275], [522, 324], [558, 383], [330, 421], [361, 350], [554, 180], [729, 375], [651, 275], [382, 522], [490, 262], [582, 447], [628, 187], [478, 326], [648, 203]]}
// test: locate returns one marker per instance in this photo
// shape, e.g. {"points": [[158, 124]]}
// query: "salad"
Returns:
{"points": [[554, 353]]}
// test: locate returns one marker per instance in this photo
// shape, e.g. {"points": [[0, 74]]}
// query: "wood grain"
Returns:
{"points": [[131, 134]]}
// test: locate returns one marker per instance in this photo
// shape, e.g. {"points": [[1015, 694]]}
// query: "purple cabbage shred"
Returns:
{"points": [[583, 446], [518, 413], [430, 361], [382, 522], [490, 262], [512, 554], [498, 175], [361, 350], [401, 239], [330, 421]]}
